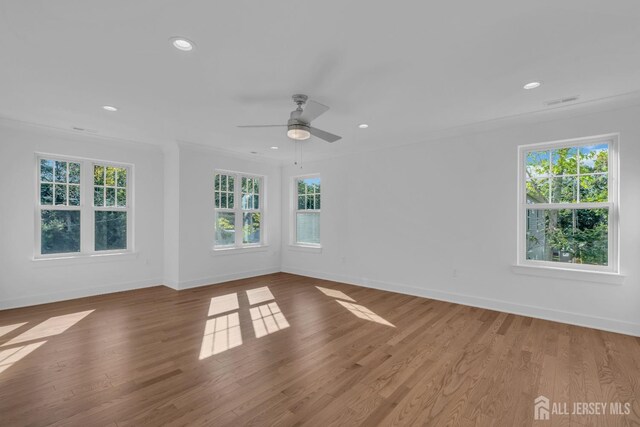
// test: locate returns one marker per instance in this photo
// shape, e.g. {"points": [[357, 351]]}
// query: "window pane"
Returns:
{"points": [[225, 228], [216, 182], [564, 190], [121, 197], [61, 194], [110, 196], [230, 201], [317, 201], [223, 182], [60, 232], [74, 195], [564, 161], [538, 190], [246, 201], [308, 228], [301, 187], [301, 202], [46, 170], [121, 177], [61, 171], [98, 175], [594, 158], [251, 227], [110, 176], [578, 236], [230, 182], [223, 200], [98, 196], [46, 194], [256, 186], [111, 230], [74, 173], [594, 188], [538, 164], [256, 202], [217, 199], [310, 202]]}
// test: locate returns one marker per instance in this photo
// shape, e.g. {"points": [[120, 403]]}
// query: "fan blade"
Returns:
{"points": [[312, 110], [261, 126], [329, 137]]}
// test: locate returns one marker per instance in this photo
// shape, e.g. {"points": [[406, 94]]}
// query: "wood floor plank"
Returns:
{"points": [[155, 356]]}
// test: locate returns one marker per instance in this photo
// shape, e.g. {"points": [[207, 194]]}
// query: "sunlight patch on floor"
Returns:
{"points": [[364, 313], [258, 295], [12, 355], [221, 334], [335, 294], [52, 326], [223, 304], [267, 319], [8, 328]]}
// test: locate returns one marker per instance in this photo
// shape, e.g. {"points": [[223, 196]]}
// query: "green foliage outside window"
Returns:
{"points": [[571, 175]]}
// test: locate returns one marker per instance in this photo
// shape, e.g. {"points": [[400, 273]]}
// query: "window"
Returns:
{"points": [[568, 204], [68, 223], [59, 206], [239, 201], [307, 211], [110, 207]]}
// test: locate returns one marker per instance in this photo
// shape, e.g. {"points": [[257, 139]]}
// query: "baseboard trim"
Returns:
{"points": [[189, 284], [602, 323], [76, 293]]}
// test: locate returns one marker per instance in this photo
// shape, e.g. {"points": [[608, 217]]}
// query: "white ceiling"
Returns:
{"points": [[407, 68]]}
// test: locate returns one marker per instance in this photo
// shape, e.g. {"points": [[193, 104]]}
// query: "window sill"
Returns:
{"points": [[603, 277], [306, 248], [237, 251], [84, 259]]}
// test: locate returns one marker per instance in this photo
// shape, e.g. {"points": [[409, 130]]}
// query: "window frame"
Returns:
{"points": [[612, 205], [239, 212], [86, 208], [128, 208], [295, 211]]}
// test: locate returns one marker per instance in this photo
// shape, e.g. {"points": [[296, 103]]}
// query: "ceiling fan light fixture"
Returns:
{"points": [[298, 133]]}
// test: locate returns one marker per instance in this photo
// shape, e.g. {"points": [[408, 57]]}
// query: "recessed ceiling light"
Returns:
{"points": [[274, 148], [531, 85], [110, 108], [363, 126], [181, 43]]}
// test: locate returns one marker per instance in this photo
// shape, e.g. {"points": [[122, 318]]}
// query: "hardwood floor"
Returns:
{"points": [[156, 356]]}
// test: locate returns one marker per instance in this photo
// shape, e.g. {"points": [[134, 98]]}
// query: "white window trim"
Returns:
{"points": [[86, 208], [238, 246], [293, 239], [613, 244]]}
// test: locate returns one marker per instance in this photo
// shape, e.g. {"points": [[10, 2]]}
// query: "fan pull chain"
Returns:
{"points": [[297, 154]]}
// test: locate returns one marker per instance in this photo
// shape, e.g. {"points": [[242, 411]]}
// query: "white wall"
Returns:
{"points": [[198, 264], [24, 281], [455, 239]]}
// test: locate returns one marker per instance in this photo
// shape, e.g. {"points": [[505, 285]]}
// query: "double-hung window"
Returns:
{"points": [[568, 204], [239, 204], [307, 211], [83, 207], [110, 207], [59, 208]]}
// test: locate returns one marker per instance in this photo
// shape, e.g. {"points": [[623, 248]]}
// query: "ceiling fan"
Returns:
{"points": [[299, 125]]}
